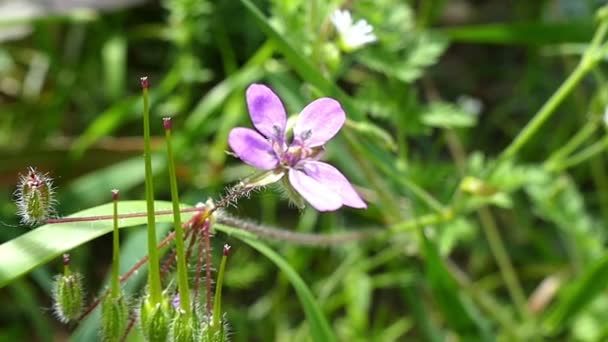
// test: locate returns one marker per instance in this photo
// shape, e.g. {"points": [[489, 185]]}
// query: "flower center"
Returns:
{"points": [[293, 155]]}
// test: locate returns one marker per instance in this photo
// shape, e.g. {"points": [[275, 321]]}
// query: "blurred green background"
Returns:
{"points": [[473, 251]]}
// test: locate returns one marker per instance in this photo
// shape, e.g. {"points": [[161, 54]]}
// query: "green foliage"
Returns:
{"points": [[486, 222]]}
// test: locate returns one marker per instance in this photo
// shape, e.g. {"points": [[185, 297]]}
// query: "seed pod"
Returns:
{"points": [[114, 318], [68, 294], [35, 197], [185, 328], [210, 333], [154, 320]]}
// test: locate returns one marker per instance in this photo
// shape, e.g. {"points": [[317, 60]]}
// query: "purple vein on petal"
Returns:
{"points": [[266, 111], [252, 148], [319, 121], [314, 192], [332, 179]]}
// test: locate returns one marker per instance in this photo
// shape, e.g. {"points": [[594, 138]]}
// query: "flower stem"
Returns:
{"points": [[115, 289], [217, 301], [153, 266], [66, 265], [182, 271], [583, 155], [557, 157], [589, 60]]}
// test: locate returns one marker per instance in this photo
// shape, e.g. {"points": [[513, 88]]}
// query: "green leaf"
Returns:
{"points": [[409, 64], [301, 64], [319, 328], [41, 245], [578, 296], [447, 115], [459, 312], [523, 33]]}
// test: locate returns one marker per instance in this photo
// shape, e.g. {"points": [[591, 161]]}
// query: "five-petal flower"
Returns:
{"points": [[353, 35], [266, 148]]}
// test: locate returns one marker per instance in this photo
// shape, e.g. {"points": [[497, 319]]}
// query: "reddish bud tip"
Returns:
{"points": [[144, 82], [115, 194], [167, 123], [66, 259], [226, 249]]}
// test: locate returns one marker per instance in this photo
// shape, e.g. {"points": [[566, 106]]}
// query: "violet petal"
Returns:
{"points": [[319, 121], [266, 111], [252, 148], [331, 178], [314, 192]]}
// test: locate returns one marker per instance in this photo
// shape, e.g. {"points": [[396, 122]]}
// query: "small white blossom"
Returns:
{"points": [[605, 117], [352, 35], [470, 104]]}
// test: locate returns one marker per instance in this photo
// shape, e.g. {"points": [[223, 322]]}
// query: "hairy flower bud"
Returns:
{"points": [[68, 294], [154, 320], [114, 318], [221, 333], [184, 328], [35, 197]]}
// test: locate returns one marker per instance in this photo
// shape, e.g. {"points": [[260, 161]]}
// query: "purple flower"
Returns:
{"points": [[321, 184]]}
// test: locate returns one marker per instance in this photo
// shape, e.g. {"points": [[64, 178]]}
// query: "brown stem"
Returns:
{"points": [[191, 222], [132, 322]]}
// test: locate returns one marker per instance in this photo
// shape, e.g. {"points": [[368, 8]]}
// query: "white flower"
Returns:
{"points": [[605, 117], [352, 36], [470, 104]]}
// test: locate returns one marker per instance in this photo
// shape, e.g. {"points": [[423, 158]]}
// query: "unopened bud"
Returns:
{"points": [[154, 320], [114, 318], [210, 333], [145, 84], [35, 197], [68, 295], [184, 328], [477, 187], [115, 195], [66, 259], [167, 123], [226, 251]]}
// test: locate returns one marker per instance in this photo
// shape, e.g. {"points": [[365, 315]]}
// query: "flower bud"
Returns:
{"points": [[114, 318], [477, 187], [68, 294], [35, 197], [154, 320], [209, 333], [185, 328]]}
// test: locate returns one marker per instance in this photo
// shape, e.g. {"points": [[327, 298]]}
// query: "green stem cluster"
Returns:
{"points": [[589, 60], [182, 271]]}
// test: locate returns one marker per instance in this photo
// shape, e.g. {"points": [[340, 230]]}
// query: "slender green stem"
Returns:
{"points": [[66, 265], [545, 112], [591, 57], [504, 263], [580, 137], [153, 266], [115, 286], [217, 301], [417, 191], [425, 220], [182, 271], [583, 155]]}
